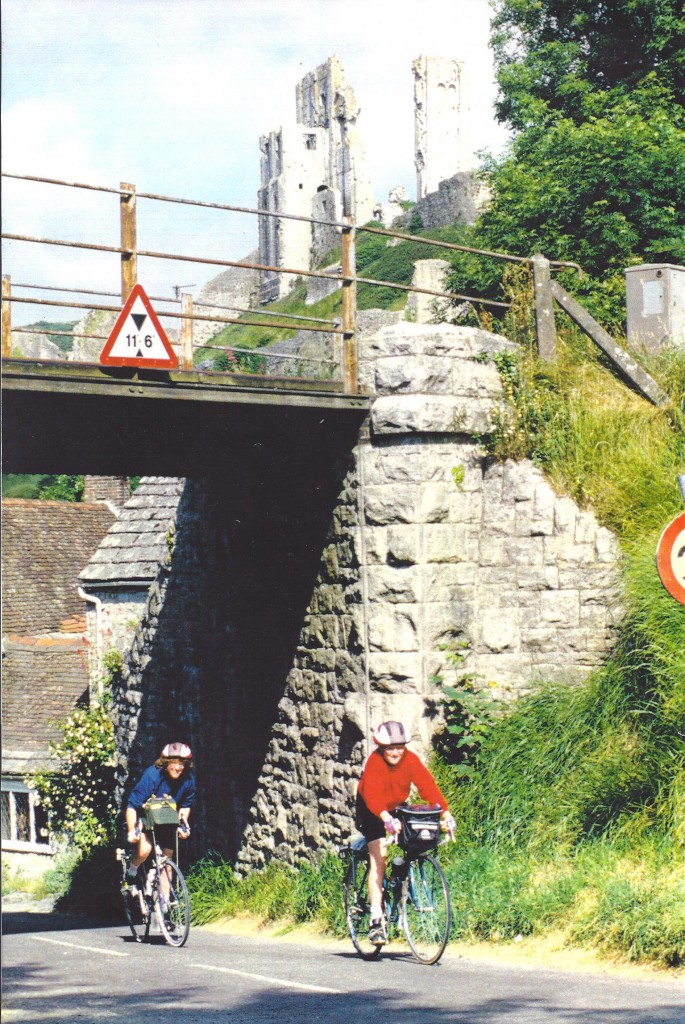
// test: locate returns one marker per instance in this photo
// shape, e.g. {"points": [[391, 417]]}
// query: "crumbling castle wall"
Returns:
{"points": [[320, 153]]}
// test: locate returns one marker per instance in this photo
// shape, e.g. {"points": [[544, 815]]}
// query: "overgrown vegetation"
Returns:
{"points": [[595, 172], [55, 487], [61, 333], [78, 795]]}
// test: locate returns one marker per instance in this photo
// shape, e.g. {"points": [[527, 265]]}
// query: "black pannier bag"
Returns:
{"points": [[420, 827]]}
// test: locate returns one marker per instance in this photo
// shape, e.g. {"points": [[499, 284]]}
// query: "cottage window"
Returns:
{"points": [[24, 823]]}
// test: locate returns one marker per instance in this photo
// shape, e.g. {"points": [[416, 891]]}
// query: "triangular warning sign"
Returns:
{"points": [[138, 338]]}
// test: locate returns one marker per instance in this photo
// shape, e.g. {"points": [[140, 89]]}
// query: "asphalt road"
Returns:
{"points": [[63, 971]]}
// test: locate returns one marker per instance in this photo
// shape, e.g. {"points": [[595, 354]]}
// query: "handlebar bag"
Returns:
{"points": [[159, 810], [420, 827]]}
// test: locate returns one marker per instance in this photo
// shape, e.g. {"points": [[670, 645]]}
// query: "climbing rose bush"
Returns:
{"points": [[78, 796]]}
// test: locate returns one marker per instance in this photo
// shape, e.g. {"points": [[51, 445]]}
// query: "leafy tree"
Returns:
{"points": [[61, 488], [595, 173], [552, 55]]}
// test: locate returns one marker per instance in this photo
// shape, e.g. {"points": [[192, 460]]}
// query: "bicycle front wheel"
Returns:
{"points": [[137, 913], [172, 904], [426, 909], [357, 909]]}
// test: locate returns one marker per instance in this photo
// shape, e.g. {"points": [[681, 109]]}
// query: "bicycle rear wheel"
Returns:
{"points": [[357, 910], [426, 909], [137, 912], [172, 904]]}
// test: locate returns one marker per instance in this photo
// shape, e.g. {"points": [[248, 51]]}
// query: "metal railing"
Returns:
{"points": [[343, 329]]}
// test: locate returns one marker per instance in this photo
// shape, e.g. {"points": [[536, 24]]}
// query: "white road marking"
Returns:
{"points": [[272, 981], [75, 945]]}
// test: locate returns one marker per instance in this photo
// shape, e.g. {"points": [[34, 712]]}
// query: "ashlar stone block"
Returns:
{"points": [[402, 545], [397, 374], [395, 671], [448, 542], [433, 503], [393, 629], [394, 585], [560, 606], [499, 632], [385, 506]]}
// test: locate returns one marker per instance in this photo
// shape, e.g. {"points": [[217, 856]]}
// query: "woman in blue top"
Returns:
{"points": [[171, 774]]}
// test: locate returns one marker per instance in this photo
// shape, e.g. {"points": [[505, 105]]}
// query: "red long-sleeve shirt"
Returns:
{"points": [[382, 786]]}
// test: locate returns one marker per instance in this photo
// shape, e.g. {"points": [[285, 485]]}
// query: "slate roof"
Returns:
{"points": [[43, 681], [136, 542], [45, 655], [45, 545]]}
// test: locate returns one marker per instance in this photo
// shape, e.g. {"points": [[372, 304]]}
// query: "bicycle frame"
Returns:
{"points": [[416, 901], [163, 893]]}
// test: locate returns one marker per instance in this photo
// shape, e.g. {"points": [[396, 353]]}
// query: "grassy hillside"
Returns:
{"points": [[375, 259], [64, 336]]}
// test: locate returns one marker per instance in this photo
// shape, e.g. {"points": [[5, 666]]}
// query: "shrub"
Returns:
{"points": [[78, 796]]}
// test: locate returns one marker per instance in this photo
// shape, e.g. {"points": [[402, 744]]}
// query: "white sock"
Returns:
{"points": [[131, 872], [376, 913]]}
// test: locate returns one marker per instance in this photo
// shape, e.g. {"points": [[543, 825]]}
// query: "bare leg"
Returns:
{"points": [[377, 861], [143, 852]]}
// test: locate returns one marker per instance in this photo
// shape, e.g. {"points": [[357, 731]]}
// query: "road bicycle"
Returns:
{"points": [[158, 890], [416, 898]]}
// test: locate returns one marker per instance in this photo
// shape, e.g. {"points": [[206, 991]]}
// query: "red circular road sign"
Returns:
{"points": [[670, 558]]}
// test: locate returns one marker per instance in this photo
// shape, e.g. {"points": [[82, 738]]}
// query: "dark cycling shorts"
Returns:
{"points": [[370, 825]]}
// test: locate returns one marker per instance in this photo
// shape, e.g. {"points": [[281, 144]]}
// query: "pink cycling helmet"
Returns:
{"points": [[180, 750], [389, 734]]}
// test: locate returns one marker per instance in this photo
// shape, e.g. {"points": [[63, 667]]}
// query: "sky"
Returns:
{"points": [[173, 95]]}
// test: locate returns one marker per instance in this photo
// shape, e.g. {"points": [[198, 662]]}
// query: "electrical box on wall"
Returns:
{"points": [[655, 306]]}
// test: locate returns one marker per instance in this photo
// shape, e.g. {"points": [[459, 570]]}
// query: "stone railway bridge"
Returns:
{"points": [[324, 553]]}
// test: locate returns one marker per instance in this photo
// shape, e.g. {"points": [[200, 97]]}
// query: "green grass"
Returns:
{"points": [[375, 259], [280, 893]]}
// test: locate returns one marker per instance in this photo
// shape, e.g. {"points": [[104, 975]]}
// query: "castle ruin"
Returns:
{"points": [[312, 168]]}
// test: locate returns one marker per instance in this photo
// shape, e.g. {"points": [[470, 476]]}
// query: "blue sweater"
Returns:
{"points": [[156, 782]]}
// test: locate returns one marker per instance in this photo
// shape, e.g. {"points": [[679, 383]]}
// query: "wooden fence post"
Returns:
{"points": [[544, 310], [6, 317], [187, 331], [349, 307], [129, 239]]}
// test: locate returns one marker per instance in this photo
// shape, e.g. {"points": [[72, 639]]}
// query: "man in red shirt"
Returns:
{"points": [[388, 776]]}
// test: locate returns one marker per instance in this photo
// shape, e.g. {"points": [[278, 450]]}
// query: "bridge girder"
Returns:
{"points": [[82, 418]]}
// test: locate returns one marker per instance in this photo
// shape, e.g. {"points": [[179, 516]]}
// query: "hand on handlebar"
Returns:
{"points": [[133, 835], [183, 829], [393, 826], [448, 824]]}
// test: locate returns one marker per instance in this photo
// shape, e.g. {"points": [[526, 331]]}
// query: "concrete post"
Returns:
{"points": [[544, 310]]}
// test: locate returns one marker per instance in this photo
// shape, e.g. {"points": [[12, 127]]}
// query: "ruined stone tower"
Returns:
{"points": [[440, 105], [312, 168]]}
